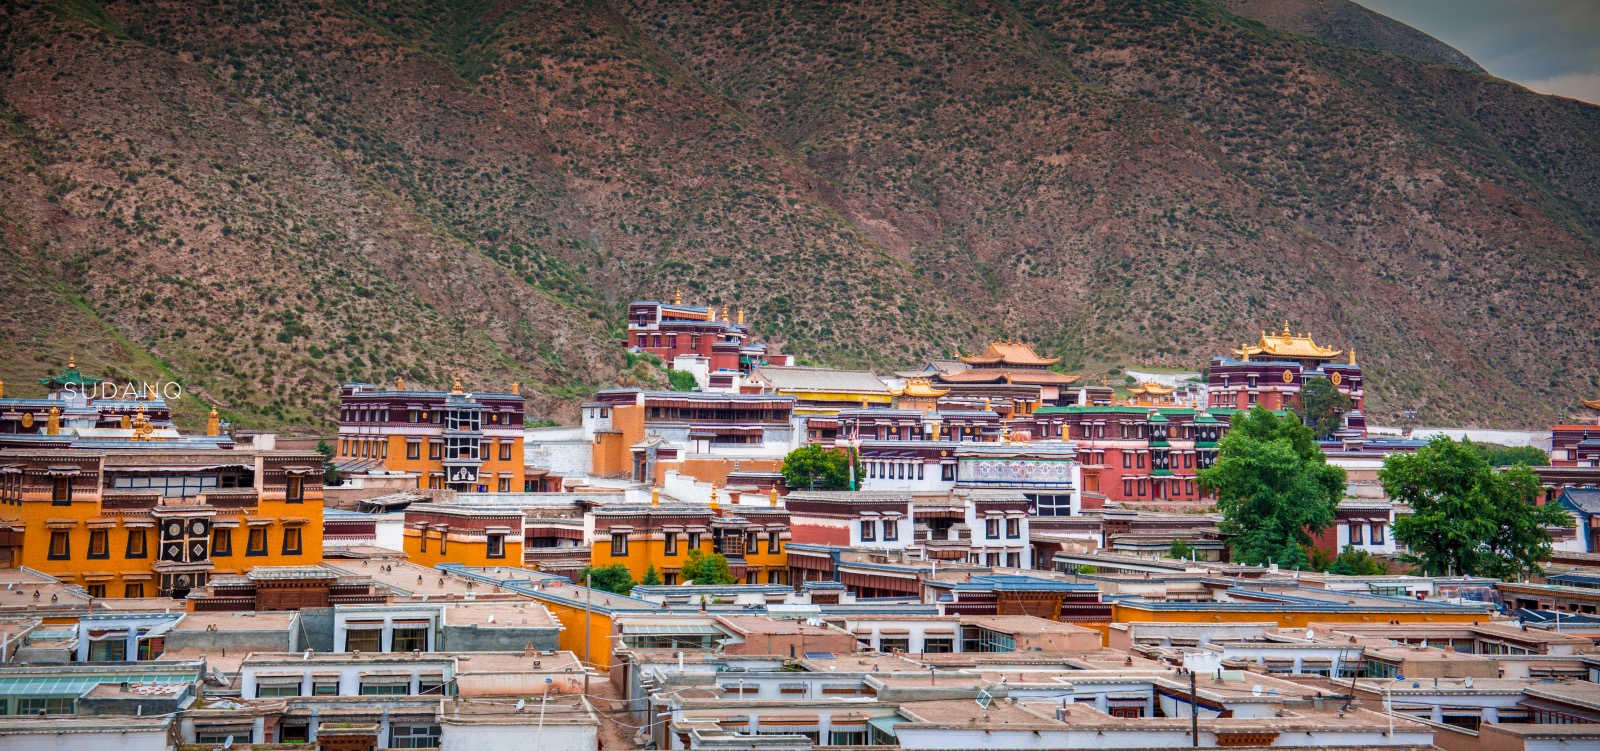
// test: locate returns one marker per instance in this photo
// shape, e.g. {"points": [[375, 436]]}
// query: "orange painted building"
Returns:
{"points": [[158, 520], [450, 439], [469, 535], [642, 434]]}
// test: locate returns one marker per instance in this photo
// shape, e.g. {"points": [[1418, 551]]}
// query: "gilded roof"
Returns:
{"points": [[996, 375], [1153, 389], [1287, 345], [920, 387], [1010, 353], [1591, 403]]}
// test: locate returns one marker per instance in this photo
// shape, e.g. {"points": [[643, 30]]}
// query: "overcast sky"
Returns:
{"points": [[1550, 46]]}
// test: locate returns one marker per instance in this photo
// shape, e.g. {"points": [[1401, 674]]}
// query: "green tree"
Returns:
{"points": [[1466, 518], [1322, 405], [701, 568], [1506, 456], [828, 468], [1180, 550], [612, 577], [330, 473], [1353, 562], [1274, 488], [682, 380], [652, 577]]}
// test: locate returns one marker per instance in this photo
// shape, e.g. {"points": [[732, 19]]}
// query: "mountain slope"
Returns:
{"points": [[1348, 23], [267, 198]]}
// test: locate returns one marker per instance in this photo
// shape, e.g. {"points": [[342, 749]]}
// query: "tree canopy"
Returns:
{"points": [[1353, 562], [1274, 487], [703, 568], [652, 577], [1322, 406], [1180, 550], [612, 577], [1467, 518], [828, 468], [1505, 456]]}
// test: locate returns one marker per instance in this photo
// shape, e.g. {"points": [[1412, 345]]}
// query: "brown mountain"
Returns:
{"points": [[1345, 22], [263, 199]]}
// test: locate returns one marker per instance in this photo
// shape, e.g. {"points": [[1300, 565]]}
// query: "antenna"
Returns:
{"points": [[521, 703], [1255, 690]]}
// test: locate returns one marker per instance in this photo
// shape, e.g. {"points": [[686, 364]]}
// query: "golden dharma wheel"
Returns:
{"points": [[1335, 378], [1288, 377]]}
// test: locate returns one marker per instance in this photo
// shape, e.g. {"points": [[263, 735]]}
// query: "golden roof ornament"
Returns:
{"points": [[724, 314], [677, 297], [2, 389], [399, 383], [741, 317], [1352, 355], [457, 388], [516, 387], [772, 495], [53, 425], [72, 361], [213, 423], [655, 496], [126, 421], [713, 496]]}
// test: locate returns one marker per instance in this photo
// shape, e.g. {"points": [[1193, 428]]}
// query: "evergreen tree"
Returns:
{"points": [[1322, 406], [828, 468], [613, 577], [1274, 487], [652, 577]]}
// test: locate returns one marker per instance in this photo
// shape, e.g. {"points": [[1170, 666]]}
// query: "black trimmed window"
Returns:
{"points": [[138, 544], [99, 544], [256, 544], [60, 545], [496, 547], [221, 542], [619, 545], [295, 491], [61, 491], [869, 530], [291, 540]]}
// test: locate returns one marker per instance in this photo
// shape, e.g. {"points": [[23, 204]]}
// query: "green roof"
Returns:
{"points": [[75, 684], [1093, 410], [70, 376], [1158, 418], [1161, 473], [1205, 444]]}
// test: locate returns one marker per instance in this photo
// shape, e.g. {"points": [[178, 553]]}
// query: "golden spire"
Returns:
{"points": [[1352, 355], [53, 427], [934, 427], [714, 496], [772, 495], [986, 406], [126, 422], [724, 314], [141, 426], [457, 388], [1285, 328], [399, 383], [741, 316], [213, 423], [2, 389], [655, 496], [72, 361], [1245, 348], [516, 387], [677, 297]]}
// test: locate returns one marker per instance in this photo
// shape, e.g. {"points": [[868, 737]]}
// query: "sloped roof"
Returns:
{"points": [[798, 378], [1585, 500], [1287, 345], [1010, 353], [995, 375]]}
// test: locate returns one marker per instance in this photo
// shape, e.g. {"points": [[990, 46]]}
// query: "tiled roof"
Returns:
{"points": [[797, 378]]}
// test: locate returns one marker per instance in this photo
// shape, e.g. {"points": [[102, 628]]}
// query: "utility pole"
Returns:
{"points": [[1194, 714]]}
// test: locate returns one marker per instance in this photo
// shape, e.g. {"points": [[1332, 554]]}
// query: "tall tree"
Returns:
{"points": [[652, 577], [702, 568], [612, 577], [1322, 406], [822, 468], [1467, 518], [1274, 487]]}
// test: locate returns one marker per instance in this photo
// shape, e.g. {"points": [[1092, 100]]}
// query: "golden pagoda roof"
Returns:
{"points": [[1287, 345], [1153, 389], [1009, 353], [1591, 403], [920, 388]]}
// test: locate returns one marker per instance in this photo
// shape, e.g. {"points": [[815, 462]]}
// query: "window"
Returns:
{"points": [[257, 544], [991, 529], [1013, 528], [947, 472], [938, 645], [413, 449], [891, 530], [1377, 534], [672, 543], [1127, 487], [133, 590], [694, 540], [99, 543], [435, 450], [409, 639], [892, 643], [414, 736], [1014, 560], [869, 530], [619, 545], [504, 485], [1127, 460], [1141, 460], [136, 544], [384, 689], [291, 541], [505, 451], [1142, 487], [61, 492], [774, 543], [669, 579], [496, 546], [327, 687], [60, 545], [363, 640], [221, 737], [37, 704], [97, 591], [221, 542], [297, 489], [1355, 534], [283, 689]]}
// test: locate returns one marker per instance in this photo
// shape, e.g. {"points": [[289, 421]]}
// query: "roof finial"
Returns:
{"points": [[677, 296], [399, 383], [1286, 327], [655, 496], [516, 387], [213, 423], [53, 427], [457, 388], [741, 317], [1352, 355], [772, 495], [713, 496], [72, 361]]}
